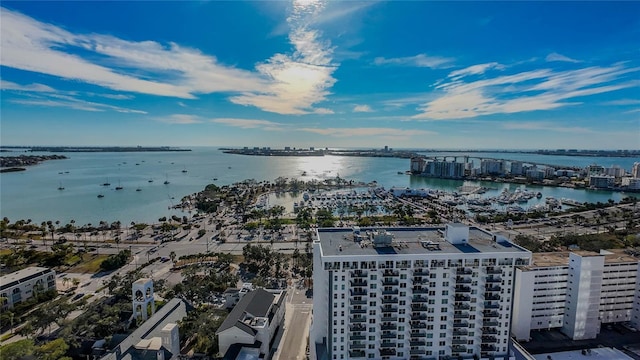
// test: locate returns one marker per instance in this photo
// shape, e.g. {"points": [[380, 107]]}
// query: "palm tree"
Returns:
{"points": [[172, 255]]}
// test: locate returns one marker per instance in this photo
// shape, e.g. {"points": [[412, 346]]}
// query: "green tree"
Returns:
{"points": [[53, 350], [17, 350]]}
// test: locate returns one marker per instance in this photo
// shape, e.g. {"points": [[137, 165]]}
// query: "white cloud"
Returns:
{"points": [[420, 60], [475, 70], [116, 96], [526, 91], [622, 102], [350, 132], [249, 123], [180, 119], [362, 108], [559, 57], [67, 101], [7, 85], [30, 45], [299, 80]]}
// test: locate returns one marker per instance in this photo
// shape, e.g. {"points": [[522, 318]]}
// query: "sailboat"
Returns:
{"points": [[107, 183], [119, 187], [166, 182], [60, 187], [184, 170], [100, 196]]}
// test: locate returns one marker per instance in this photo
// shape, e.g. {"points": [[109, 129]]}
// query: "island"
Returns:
{"points": [[94, 148], [288, 151], [16, 163]]}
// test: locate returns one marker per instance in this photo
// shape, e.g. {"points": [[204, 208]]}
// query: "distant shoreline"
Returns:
{"points": [[94, 148]]}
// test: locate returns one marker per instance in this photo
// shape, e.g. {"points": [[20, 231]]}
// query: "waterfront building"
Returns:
{"points": [[535, 174], [444, 169], [635, 170], [565, 172], [516, 168], [492, 167], [253, 322], [23, 284], [575, 292], [400, 191], [418, 165], [412, 293], [549, 172], [615, 171], [631, 183], [601, 181], [595, 169]]}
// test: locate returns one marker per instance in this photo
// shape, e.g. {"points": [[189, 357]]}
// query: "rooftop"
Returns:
{"points": [[251, 311], [562, 258], [409, 241], [16, 277], [593, 354]]}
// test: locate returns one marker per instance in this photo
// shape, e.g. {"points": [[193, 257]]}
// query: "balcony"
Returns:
{"points": [[416, 352], [462, 315], [487, 347], [490, 323], [418, 335], [389, 318], [420, 281], [390, 292], [388, 345], [391, 273], [358, 311], [489, 339], [419, 307], [357, 337], [358, 292], [461, 324], [357, 354], [389, 336], [358, 327], [464, 271], [358, 319], [459, 348], [494, 279], [388, 309], [459, 342], [387, 351], [357, 302], [492, 297], [390, 300], [418, 325], [358, 274], [492, 288], [463, 280], [419, 299], [389, 326], [489, 330], [418, 317], [462, 298], [463, 289], [417, 290], [390, 282], [490, 314], [417, 343], [460, 332], [461, 306], [490, 305], [420, 272], [493, 270], [357, 346], [358, 283]]}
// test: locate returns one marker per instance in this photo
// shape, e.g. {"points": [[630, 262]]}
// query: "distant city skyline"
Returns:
{"points": [[445, 75]]}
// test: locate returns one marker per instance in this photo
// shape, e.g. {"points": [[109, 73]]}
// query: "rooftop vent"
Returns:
{"points": [[381, 238]]}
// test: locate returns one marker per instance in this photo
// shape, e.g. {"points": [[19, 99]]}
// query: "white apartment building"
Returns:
{"points": [[412, 293], [601, 181], [492, 167], [516, 168], [21, 285], [575, 292], [631, 183], [635, 170]]}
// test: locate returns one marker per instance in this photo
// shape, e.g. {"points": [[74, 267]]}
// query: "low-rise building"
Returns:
{"points": [[601, 181], [631, 183], [254, 321], [575, 292], [21, 285]]}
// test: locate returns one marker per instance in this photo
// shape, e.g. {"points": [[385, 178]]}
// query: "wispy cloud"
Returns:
{"points": [[249, 123], [475, 70], [420, 60], [362, 108], [364, 131], [180, 119], [299, 80], [544, 126], [30, 45], [533, 90], [622, 102], [116, 96], [70, 102], [559, 57], [8, 85]]}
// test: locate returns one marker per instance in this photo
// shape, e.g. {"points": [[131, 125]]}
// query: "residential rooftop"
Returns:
{"points": [[551, 259], [16, 277], [410, 241]]}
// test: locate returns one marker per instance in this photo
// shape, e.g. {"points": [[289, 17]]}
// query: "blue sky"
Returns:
{"points": [[522, 75]]}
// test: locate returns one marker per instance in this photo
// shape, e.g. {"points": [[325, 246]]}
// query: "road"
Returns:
{"points": [[293, 345]]}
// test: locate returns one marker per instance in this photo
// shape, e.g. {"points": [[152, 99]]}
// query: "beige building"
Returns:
{"points": [[23, 284]]}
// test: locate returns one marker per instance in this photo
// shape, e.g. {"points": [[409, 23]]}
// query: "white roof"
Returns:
{"points": [[596, 354]]}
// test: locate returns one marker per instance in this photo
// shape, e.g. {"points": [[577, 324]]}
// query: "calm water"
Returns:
{"points": [[33, 194]]}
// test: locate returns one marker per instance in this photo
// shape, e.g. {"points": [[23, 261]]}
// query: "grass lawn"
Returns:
{"points": [[5, 252], [90, 264]]}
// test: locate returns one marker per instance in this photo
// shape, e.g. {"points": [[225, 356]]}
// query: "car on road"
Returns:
{"points": [[164, 259], [77, 296]]}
